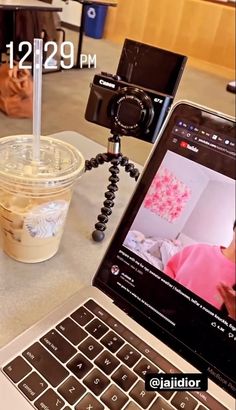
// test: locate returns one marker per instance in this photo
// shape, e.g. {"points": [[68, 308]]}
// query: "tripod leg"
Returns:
{"points": [[130, 168], [98, 235], [95, 162]]}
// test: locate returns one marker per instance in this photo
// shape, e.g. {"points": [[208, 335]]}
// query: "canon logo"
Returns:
{"points": [[106, 83]]}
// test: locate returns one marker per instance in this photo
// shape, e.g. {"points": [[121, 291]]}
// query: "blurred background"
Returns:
{"points": [[204, 30]]}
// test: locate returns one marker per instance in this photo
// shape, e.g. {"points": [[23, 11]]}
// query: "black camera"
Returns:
{"points": [[135, 101]]}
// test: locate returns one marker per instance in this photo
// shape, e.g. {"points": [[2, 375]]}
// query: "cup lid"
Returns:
{"points": [[59, 166]]}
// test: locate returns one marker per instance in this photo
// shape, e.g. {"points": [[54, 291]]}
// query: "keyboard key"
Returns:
{"points": [[96, 381], [132, 406], [107, 362], [49, 401], [144, 367], [141, 396], [164, 364], [90, 348], [107, 318], [82, 316], [131, 338], [183, 400], [72, 390], [128, 355], [57, 345], [96, 328], [80, 366], [33, 386], [114, 398], [112, 341], [17, 369], [161, 404], [74, 333], [147, 351], [115, 325], [157, 359], [97, 310], [124, 378], [166, 393], [89, 403], [209, 401], [46, 364]]}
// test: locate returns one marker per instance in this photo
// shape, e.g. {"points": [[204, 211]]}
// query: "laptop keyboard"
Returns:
{"points": [[90, 361]]}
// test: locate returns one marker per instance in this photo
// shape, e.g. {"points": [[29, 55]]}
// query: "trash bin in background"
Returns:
{"points": [[95, 20]]}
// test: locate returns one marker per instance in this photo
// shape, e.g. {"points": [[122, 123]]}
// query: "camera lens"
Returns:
{"points": [[134, 113], [131, 111]]}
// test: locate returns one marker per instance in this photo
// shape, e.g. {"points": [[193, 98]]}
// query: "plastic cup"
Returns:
{"points": [[35, 196]]}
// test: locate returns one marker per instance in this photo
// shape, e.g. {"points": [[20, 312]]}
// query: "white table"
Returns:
{"points": [[30, 291], [28, 5]]}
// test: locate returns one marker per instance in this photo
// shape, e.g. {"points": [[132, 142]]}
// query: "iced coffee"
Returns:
{"points": [[34, 198]]}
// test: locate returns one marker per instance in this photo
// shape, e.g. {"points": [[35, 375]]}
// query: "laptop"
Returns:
{"points": [[163, 297]]}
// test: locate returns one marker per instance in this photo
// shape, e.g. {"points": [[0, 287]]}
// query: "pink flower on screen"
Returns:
{"points": [[158, 184], [174, 216], [168, 192], [156, 198], [148, 202], [167, 196], [166, 179], [186, 195]]}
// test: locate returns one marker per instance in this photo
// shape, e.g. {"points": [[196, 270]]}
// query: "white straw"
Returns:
{"points": [[37, 96]]}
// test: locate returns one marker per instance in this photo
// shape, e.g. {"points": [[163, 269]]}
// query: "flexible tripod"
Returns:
{"points": [[114, 156]]}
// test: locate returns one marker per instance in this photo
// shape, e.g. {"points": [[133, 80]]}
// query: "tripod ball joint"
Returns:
{"points": [[88, 165], [101, 158], [106, 211], [110, 195], [134, 173], [112, 187], [103, 218], [130, 168], [98, 236], [95, 162]]}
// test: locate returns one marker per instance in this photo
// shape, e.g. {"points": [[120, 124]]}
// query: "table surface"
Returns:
{"points": [[112, 3], [27, 5], [30, 291]]}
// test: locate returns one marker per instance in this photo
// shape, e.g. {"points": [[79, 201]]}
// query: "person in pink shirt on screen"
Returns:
{"points": [[207, 271]]}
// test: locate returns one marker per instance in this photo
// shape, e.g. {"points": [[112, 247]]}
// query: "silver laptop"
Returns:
{"points": [[163, 298]]}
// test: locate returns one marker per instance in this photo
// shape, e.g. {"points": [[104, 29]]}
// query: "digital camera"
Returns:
{"points": [[135, 101]]}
